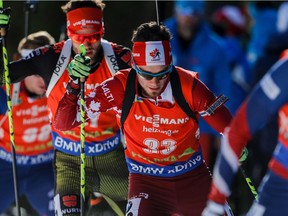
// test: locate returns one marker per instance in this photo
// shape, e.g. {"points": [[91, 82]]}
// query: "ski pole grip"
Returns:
{"points": [[82, 53], [243, 155], [82, 50]]}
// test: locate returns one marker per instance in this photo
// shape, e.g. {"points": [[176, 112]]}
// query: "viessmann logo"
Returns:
{"points": [[84, 22], [156, 120], [33, 111]]}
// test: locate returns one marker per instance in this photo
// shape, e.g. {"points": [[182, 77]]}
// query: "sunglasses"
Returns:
{"points": [[90, 38], [149, 76]]}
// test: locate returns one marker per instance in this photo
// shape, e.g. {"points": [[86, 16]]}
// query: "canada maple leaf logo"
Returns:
{"points": [[155, 54]]}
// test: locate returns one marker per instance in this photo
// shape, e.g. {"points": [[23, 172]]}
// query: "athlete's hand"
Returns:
{"points": [[213, 209], [80, 65], [4, 17]]}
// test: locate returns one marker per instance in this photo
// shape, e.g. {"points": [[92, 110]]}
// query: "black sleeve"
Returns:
{"points": [[41, 61]]}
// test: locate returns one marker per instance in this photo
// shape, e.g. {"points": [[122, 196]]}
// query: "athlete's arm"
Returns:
{"points": [[41, 61], [262, 103], [203, 99], [107, 96], [123, 56]]}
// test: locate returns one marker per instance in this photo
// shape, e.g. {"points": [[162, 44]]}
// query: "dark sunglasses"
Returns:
{"points": [[90, 38], [149, 76]]}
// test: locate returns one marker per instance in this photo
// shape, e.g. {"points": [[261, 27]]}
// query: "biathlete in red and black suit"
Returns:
{"points": [[106, 169], [167, 173]]}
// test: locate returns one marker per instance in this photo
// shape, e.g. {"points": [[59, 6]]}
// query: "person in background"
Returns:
{"points": [[105, 170], [262, 144], [270, 93], [282, 18], [32, 133], [196, 47], [163, 154], [230, 22], [264, 24]]}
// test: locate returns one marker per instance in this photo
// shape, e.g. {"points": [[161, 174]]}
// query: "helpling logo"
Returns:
{"points": [[155, 54]]}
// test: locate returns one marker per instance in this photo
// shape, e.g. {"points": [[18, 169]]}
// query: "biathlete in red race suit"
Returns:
{"points": [[268, 97], [32, 138], [106, 169], [167, 172]]}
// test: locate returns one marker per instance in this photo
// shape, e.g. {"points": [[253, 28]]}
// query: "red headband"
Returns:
{"points": [[152, 53], [84, 18]]}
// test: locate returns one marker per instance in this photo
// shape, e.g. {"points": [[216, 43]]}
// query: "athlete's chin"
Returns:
{"points": [[154, 94], [40, 92]]}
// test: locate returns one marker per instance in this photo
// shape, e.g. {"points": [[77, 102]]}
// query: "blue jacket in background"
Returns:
{"points": [[265, 25], [239, 68]]}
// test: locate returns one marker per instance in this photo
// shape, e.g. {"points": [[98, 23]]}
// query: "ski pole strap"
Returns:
{"points": [[222, 99]]}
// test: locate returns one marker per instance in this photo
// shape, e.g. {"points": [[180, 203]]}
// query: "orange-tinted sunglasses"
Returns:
{"points": [[90, 38]]}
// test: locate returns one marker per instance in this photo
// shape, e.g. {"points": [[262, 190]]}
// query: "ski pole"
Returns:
{"points": [[29, 6], [250, 184], [157, 12], [10, 115], [82, 137]]}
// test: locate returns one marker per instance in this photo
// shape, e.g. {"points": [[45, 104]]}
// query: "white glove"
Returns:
{"points": [[213, 209]]}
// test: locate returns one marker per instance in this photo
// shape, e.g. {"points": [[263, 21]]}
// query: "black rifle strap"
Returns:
{"points": [[178, 94], [129, 96], [130, 93]]}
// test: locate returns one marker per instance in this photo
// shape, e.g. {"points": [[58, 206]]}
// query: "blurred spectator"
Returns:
{"points": [[33, 141], [282, 18], [265, 140], [230, 23], [196, 47], [264, 16]]}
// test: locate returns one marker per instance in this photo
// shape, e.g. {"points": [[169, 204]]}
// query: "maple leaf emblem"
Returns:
{"points": [[95, 106], [155, 53]]}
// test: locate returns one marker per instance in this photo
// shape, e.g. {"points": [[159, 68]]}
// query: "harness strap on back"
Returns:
{"points": [[130, 92], [64, 58], [65, 54], [129, 96], [178, 94]]}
